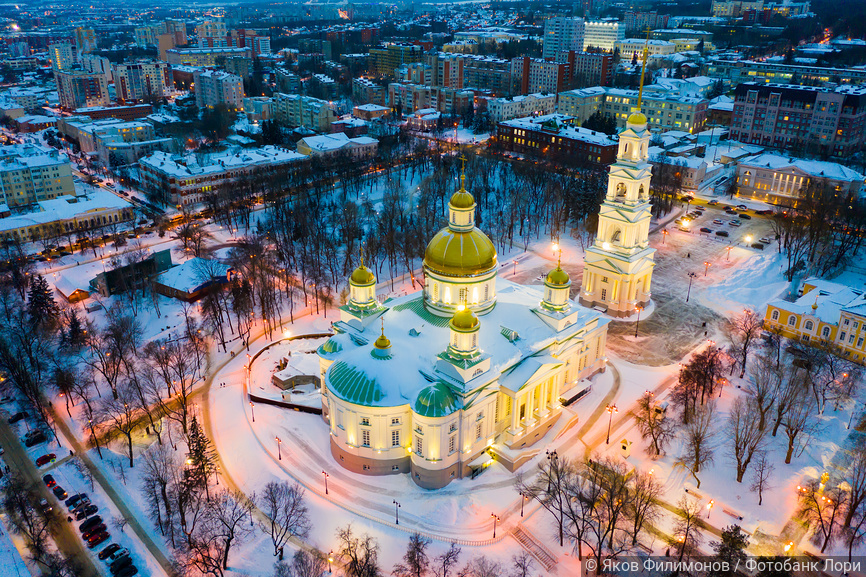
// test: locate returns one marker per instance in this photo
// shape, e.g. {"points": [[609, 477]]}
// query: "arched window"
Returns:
{"points": [[616, 236], [435, 291], [620, 189], [792, 320], [808, 326], [474, 340], [642, 191], [826, 332], [486, 292], [775, 315]]}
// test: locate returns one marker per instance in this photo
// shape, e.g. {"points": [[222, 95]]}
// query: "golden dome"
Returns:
{"points": [[362, 276], [462, 199], [558, 277], [459, 253], [464, 319], [636, 118], [382, 342]]}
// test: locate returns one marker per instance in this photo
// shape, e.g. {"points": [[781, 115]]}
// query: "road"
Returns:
{"points": [[65, 536]]}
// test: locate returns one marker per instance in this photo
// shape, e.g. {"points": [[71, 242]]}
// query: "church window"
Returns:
{"points": [[365, 421], [365, 437], [604, 279], [642, 191], [775, 315], [792, 320], [826, 332], [522, 410], [452, 444], [419, 445], [474, 340], [463, 295], [395, 420], [452, 428], [477, 431], [808, 326], [435, 291], [603, 294], [395, 438], [616, 236]]}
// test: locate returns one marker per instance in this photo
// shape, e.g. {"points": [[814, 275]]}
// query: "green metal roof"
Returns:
{"points": [[354, 386], [329, 347], [436, 400], [417, 306]]}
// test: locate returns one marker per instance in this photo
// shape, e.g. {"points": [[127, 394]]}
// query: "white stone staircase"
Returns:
{"points": [[534, 547]]}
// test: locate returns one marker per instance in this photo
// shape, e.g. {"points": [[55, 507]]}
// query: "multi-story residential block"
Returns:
{"points": [[446, 69], [177, 29], [830, 314], [77, 89], [297, 110], [148, 35], [203, 56], [215, 87], [664, 111], [562, 34], [410, 97], [27, 96], [782, 180], [602, 34], [415, 73], [116, 142], [61, 56], [502, 109], [537, 75], [188, 180], [589, 68], [487, 72], [287, 81], [671, 33], [85, 40], [337, 144], [368, 92], [212, 34], [245, 38], [635, 21], [239, 66], [258, 108], [30, 173], [385, 60], [827, 120], [135, 81], [556, 136], [96, 65], [736, 71], [119, 112], [631, 47], [581, 103], [734, 8], [64, 214]]}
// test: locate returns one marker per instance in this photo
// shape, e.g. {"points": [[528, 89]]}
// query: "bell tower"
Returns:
{"points": [[618, 266]]}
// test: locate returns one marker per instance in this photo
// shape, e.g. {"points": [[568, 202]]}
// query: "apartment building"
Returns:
{"points": [[602, 34], [246, 38], [203, 56], [664, 111], [447, 70], [562, 34], [297, 110], [778, 179], [636, 21], [629, 47], [96, 65], [415, 73], [366, 91], [385, 60], [77, 89], [288, 81], [589, 68], [61, 55], [85, 40], [828, 313], [501, 109], [136, 81], [557, 137], [258, 108], [538, 75], [211, 34], [339, 143], [581, 103], [737, 71], [828, 120], [487, 72], [215, 87], [187, 180], [30, 173]]}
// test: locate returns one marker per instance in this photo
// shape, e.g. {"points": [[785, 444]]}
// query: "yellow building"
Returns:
{"points": [[827, 312]]}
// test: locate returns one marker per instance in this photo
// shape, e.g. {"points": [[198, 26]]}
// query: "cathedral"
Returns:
{"points": [[475, 368]]}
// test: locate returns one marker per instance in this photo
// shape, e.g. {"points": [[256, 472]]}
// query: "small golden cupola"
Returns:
{"points": [[464, 327], [362, 287], [556, 287], [382, 346]]}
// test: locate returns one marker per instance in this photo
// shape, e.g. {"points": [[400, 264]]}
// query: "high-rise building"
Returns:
{"points": [[96, 65], [30, 173], [215, 87], [61, 56], [85, 40], [618, 267], [635, 21], [212, 34], [297, 110], [176, 28], [589, 68], [537, 75], [602, 34], [801, 118], [387, 59], [562, 34], [135, 81], [245, 38], [77, 89], [203, 56]]}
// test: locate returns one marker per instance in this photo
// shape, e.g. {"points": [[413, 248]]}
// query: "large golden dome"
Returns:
{"points": [[362, 276], [459, 253]]}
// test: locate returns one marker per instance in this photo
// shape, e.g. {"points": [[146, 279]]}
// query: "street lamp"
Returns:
{"points": [[514, 270], [326, 481], [397, 511], [611, 409], [706, 267], [710, 507], [524, 498], [638, 308], [665, 234], [279, 448], [551, 458], [330, 560], [691, 278], [495, 519], [728, 256], [253, 411]]}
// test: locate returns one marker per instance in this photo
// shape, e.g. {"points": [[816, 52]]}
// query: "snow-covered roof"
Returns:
{"points": [[816, 168], [831, 299], [18, 156], [62, 208], [173, 165], [564, 129], [371, 108], [193, 274]]}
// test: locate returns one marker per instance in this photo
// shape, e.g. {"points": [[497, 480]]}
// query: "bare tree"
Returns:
{"points": [[763, 386], [415, 561], [522, 565], [746, 438], [686, 536], [798, 420], [643, 503], [283, 504], [360, 554], [308, 564], [654, 424], [118, 413], [855, 476], [761, 473], [823, 508], [481, 567], [227, 513], [698, 442], [549, 488], [443, 564], [744, 329]]}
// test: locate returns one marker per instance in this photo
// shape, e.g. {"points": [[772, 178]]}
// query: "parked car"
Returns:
{"points": [[60, 493], [72, 502], [98, 538], [736, 223], [764, 240], [44, 505], [45, 459], [34, 438], [758, 246], [86, 512], [49, 480], [6, 399], [119, 564], [108, 551], [745, 217], [81, 504], [684, 228], [707, 230], [17, 417], [117, 554], [93, 531], [127, 571], [721, 233], [713, 202], [742, 207], [92, 522], [718, 221]]}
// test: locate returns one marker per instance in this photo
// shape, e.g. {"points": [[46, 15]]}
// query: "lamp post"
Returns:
{"points": [[638, 308], [706, 267], [691, 278], [551, 458], [217, 473], [728, 256], [495, 519], [514, 270], [253, 411], [330, 560], [523, 499], [279, 448], [397, 511], [326, 481], [665, 234], [710, 507], [611, 409]]}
